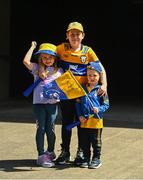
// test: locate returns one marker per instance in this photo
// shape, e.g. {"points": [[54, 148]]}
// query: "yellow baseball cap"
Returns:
{"points": [[75, 25], [47, 48]]}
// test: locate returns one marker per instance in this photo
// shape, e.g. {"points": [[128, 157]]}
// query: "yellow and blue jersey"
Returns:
{"points": [[76, 61]]}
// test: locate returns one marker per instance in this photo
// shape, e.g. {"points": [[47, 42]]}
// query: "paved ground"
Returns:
{"points": [[122, 152]]}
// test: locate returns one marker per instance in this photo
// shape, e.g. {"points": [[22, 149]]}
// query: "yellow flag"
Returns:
{"points": [[70, 86], [65, 87]]}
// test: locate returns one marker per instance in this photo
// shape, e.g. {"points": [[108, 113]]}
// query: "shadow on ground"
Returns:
{"points": [[17, 165], [27, 165]]}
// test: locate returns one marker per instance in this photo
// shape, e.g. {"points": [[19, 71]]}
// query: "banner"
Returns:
{"points": [[64, 87], [29, 90]]}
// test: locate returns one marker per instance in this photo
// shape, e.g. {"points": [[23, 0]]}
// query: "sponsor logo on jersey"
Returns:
{"points": [[74, 67]]}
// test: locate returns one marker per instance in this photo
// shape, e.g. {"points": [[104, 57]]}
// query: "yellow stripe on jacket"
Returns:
{"points": [[92, 123]]}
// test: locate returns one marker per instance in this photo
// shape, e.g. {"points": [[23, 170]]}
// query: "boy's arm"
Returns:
{"points": [[103, 79], [105, 104], [27, 58], [103, 89]]}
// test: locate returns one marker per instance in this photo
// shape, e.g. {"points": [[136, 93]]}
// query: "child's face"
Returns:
{"points": [[93, 77], [75, 37], [47, 59]]}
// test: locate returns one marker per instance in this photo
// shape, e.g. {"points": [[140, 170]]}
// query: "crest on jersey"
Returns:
{"points": [[83, 59]]}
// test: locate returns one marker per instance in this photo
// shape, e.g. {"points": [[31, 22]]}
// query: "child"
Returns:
{"points": [[90, 109], [46, 111], [74, 56]]}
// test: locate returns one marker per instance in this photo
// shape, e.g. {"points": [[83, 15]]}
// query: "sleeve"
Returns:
{"points": [[105, 104], [34, 69], [92, 55], [60, 49]]}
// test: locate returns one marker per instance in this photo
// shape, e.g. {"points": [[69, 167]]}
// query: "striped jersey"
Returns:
{"points": [[76, 61]]}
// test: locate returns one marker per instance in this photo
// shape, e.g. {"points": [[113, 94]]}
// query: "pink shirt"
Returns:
{"points": [[38, 97]]}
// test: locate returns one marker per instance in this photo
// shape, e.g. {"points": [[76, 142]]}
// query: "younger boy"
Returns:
{"points": [[90, 109]]}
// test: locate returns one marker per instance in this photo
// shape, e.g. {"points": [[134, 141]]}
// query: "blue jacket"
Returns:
{"points": [[85, 104]]}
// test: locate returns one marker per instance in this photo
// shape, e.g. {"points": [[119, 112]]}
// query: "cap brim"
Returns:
{"points": [[75, 28], [46, 52]]}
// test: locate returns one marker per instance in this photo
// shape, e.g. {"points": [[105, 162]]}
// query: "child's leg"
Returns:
{"points": [[95, 137], [96, 142], [68, 114], [40, 114], [85, 143], [51, 116]]}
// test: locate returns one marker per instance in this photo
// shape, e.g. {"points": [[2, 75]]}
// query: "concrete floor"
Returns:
{"points": [[122, 150]]}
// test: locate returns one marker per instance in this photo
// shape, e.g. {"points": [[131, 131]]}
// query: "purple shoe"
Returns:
{"points": [[52, 155], [45, 161]]}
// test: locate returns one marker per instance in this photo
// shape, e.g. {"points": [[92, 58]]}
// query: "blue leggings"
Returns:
{"points": [[46, 115]]}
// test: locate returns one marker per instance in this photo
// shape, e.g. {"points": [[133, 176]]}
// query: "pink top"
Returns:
{"points": [[38, 97]]}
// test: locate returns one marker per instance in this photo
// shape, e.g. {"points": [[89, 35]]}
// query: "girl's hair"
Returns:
{"points": [[41, 64]]}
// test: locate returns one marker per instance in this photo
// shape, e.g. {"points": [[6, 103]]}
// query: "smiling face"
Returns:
{"points": [[47, 59], [93, 77], [75, 38]]}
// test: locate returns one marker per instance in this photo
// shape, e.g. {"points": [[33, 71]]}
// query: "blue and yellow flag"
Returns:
{"points": [[64, 87]]}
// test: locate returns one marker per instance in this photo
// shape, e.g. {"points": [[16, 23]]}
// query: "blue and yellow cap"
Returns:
{"points": [[95, 66], [47, 48]]}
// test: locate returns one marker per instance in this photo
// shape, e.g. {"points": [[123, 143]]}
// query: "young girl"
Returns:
{"points": [[90, 109], [46, 111]]}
